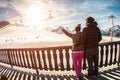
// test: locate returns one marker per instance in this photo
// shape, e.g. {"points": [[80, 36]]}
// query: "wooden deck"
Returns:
{"points": [[106, 73]]}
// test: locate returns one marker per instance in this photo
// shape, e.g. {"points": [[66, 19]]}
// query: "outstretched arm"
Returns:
{"points": [[67, 33]]}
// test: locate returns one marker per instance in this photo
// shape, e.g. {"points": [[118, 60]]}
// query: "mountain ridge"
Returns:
{"points": [[114, 31]]}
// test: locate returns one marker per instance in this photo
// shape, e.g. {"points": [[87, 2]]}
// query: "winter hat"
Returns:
{"points": [[90, 19]]}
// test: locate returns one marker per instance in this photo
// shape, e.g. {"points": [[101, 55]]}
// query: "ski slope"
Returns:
{"points": [[31, 37]]}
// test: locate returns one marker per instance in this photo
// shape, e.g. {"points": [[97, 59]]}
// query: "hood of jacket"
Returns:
{"points": [[92, 24]]}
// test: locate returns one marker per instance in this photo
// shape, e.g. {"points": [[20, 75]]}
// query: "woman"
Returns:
{"points": [[77, 49]]}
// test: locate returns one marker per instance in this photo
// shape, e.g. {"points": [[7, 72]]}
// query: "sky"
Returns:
{"points": [[66, 13]]}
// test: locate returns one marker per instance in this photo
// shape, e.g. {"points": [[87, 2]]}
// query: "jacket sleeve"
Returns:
{"points": [[99, 36], [84, 34], [67, 33], [84, 37]]}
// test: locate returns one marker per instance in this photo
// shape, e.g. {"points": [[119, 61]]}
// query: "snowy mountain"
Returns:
{"points": [[115, 29], [59, 30], [103, 32]]}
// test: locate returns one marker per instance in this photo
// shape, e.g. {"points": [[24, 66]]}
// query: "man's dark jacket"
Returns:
{"points": [[92, 35]]}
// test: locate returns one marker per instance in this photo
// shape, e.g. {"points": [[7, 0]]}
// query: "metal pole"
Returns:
{"points": [[112, 29], [119, 56]]}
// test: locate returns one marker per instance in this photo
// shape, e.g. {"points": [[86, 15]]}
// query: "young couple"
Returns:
{"points": [[85, 42]]}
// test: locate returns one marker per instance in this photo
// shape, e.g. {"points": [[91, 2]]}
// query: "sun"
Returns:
{"points": [[34, 15]]}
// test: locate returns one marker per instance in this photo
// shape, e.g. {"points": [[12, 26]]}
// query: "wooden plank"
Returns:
{"points": [[119, 56], [106, 53], [39, 60], [44, 59], [115, 50], [23, 56], [55, 60], [31, 58], [67, 55], [14, 57], [101, 54], [111, 54], [10, 62], [27, 58], [62, 68], [49, 59]]}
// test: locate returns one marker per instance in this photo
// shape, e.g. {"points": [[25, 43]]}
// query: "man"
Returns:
{"points": [[92, 37]]}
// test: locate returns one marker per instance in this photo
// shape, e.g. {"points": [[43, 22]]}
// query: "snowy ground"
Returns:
{"points": [[22, 37], [19, 36]]}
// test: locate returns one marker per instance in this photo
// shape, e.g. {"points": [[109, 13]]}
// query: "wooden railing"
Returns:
{"points": [[56, 58]]}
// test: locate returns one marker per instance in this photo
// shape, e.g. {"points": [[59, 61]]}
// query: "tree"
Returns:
{"points": [[4, 23]]}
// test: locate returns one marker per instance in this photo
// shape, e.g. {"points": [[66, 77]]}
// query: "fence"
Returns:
{"points": [[56, 58]]}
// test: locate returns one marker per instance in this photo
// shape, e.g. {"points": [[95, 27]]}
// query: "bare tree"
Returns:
{"points": [[4, 23]]}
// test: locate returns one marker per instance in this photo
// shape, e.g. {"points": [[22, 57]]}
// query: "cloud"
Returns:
{"points": [[4, 3], [68, 15], [98, 9], [67, 12], [99, 4]]}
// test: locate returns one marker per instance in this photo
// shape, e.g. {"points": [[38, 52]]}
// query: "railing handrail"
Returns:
{"points": [[107, 43], [56, 47]]}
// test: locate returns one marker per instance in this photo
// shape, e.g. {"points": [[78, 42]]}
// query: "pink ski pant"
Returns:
{"points": [[77, 62]]}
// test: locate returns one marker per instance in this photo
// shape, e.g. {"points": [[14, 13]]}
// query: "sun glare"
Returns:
{"points": [[34, 15]]}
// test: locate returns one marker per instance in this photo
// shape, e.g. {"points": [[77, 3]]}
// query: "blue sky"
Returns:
{"points": [[66, 13]]}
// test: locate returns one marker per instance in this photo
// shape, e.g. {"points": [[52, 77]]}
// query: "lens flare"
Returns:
{"points": [[34, 15]]}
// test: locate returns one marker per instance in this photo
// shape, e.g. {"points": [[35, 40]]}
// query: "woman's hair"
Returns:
{"points": [[78, 27], [90, 19]]}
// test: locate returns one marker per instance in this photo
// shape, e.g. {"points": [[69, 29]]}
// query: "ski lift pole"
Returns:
{"points": [[112, 30]]}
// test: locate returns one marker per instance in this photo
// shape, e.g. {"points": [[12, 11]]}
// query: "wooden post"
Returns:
{"points": [[44, 59], [115, 54], [49, 59], [101, 53], [67, 59], [106, 53], [9, 58], [119, 56], [55, 59], [35, 62], [111, 54], [37, 72], [62, 68]]}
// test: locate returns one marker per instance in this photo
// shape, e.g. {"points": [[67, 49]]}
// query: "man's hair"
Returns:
{"points": [[78, 27], [90, 19]]}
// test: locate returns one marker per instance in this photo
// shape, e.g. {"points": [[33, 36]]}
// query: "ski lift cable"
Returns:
{"points": [[74, 11], [70, 11]]}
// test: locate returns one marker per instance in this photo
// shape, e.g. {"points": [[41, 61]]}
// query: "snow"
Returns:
{"points": [[30, 37], [21, 36]]}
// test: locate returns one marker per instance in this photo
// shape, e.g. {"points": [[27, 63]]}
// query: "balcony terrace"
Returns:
{"points": [[55, 63]]}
